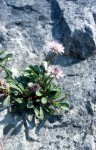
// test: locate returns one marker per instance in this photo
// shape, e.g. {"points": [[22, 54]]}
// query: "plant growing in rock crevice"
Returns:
{"points": [[3, 62], [34, 89]]}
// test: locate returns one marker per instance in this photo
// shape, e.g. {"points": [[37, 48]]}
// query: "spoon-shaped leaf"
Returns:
{"points": [[38, 93], [41, 113], [6, 101], [44, 100]]}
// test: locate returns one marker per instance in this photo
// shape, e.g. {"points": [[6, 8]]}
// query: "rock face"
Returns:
{"points": [[78, 26], [26, 26]]}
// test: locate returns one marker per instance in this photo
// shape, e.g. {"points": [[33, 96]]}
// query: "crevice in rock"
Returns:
{"points": [[22, 8], [62, 125], [91, 128], [59, 23], [61, 30], [84, 137], [94, 16], [89, 108], [72, 75], [2, 39], [77, 126]]}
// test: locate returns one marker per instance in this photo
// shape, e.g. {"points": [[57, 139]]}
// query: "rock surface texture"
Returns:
{"points": [[25, 27]]}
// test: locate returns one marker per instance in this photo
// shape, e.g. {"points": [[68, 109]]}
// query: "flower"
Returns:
{"points": [[56, 47], [55, 71], [34, 86]]}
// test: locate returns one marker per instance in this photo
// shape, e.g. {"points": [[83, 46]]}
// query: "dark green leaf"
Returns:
{"points": [[61, 105], [1, 52], [8, 56], [8, 72], [14, 86], [64, 106], [34, 69], [30, 104], [38, 93], [19, 100], [6, 101], [63, 98], [49, 110], [41, 113], [21, 86], [57, 95], [36, 112], [44, 100], [42, 69], [26, 74], [54, 94], [11, 79], [5, 58]]}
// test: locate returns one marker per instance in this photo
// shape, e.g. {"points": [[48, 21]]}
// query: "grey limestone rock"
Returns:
{"points": [[25, 27]]}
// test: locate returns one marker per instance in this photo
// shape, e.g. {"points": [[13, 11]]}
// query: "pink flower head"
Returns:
{"points": [[34, 86], [55, 71], [56, 47]]}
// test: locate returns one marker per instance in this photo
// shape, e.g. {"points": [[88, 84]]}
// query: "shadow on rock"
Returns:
{"points": [[14, 123], [83, 43]]}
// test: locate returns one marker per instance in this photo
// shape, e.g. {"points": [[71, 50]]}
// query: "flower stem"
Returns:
{"points": [[51, 58]]}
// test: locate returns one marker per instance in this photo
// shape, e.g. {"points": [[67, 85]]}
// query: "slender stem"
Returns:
{"points": [[51, 58], [2, 146]]}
